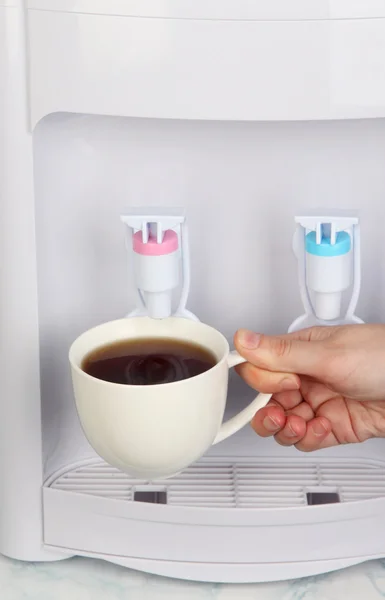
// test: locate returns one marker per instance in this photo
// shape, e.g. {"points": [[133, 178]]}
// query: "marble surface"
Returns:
{"points": [[84, 579]]}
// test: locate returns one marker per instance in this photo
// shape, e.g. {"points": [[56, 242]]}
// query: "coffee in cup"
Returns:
{"points": [[148, 361], [146, 424]]}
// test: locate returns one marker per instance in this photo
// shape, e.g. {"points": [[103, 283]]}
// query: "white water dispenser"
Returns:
{"points": [[240, 123]]}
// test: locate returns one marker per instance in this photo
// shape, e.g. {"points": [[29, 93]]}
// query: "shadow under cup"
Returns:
{"points": [[151, 431]]}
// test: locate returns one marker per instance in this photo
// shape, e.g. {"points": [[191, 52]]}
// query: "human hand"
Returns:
{"points": [[328, 384]]}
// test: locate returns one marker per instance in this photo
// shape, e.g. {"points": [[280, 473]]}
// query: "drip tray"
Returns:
{"points": [[243, 484]]}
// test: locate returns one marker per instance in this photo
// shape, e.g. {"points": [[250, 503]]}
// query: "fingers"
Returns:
{"points": [[269, 420], [289, 400], [293, 429], [267, 382], [313, 334], [272, 421], [318, 435], [304, 410], [285, 354]]}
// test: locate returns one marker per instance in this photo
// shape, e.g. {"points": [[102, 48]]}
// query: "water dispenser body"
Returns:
{"points": [[279, 106]]}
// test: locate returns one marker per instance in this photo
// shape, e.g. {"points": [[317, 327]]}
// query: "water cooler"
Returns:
{"points": [[261, 120]]}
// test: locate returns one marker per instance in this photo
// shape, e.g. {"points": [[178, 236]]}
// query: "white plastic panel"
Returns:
{"points": [[239, 70], [245, 483], [356, 9], [221, 9], [211, 523], [88, 169], [20, 419], [217, 532], [230, 572]]}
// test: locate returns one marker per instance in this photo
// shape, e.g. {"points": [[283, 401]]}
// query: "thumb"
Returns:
{"points": [[284, 353]]}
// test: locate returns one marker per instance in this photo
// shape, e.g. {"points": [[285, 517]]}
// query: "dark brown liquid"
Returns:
{"points": [[148, 361]]}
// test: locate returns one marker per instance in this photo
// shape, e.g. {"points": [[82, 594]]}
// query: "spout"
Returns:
{"points": [[328, 272], [156, 267], [328, 305], [158, 304]]}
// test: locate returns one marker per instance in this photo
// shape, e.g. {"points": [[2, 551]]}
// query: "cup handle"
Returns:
{"points": [[244, 417]]}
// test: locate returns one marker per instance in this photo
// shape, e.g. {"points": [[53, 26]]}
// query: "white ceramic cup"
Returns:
{"points": [[155, 431]]}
